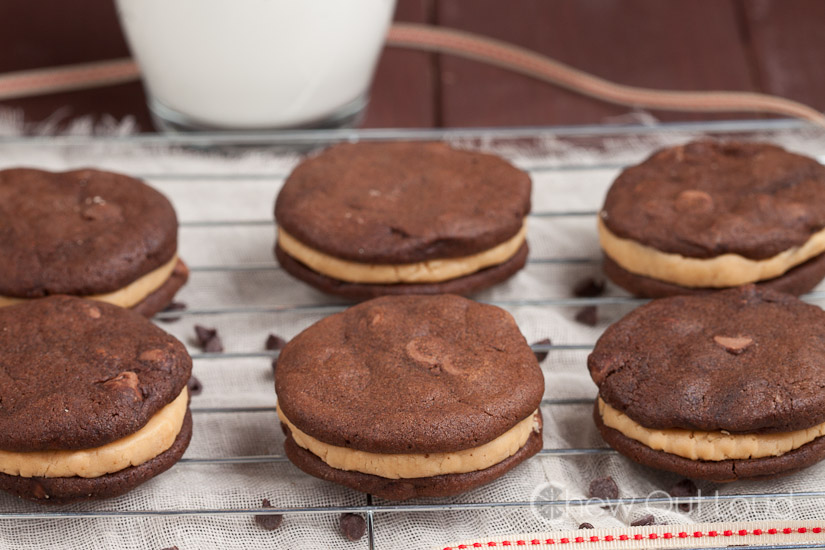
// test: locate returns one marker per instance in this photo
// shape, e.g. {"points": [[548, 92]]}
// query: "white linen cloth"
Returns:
{"points": [[232, 185]]}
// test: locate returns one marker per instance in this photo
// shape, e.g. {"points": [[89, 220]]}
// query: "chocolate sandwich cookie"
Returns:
{"points": [[720, 386], [94, 399], [710, 215], [408, 396], [368, 219], [99, 235]]}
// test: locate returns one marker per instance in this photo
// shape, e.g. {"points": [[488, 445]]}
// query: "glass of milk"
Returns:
{"points": [[256, 64]]}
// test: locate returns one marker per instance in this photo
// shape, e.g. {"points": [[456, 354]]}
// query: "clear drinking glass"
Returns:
{"points": [[256, 64]]}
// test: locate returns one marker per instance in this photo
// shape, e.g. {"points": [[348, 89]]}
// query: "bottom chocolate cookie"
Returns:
{"points": [[404, 489], [796, 281], [463, 285], [63, 490], [164, 294], [718, 471]]}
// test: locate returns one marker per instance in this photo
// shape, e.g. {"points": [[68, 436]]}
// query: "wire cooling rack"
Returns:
{"points": [[223, 188]]}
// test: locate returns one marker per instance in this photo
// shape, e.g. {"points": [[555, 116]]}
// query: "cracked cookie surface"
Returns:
{"points": [[745, 360], [83, 232], [704, 199], [403, 202], [78, 374], [408, 374], [722, 386]]}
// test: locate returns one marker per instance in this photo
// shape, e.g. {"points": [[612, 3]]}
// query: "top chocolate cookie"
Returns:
{"points": [[705, 199], [745, 360], [82, 232], [395, 203], [78, 374], [408, 374]]}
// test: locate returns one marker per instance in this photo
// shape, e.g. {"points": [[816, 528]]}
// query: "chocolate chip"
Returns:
{"points": [[101, 211], [126, 382], [274, 342], [208, 339], [194, 386], [204, 334], [542, 355], [214, 345], [684, 488], [174, 306], [152, 356], [588, 288], [645, 520], [694, 201], [353, 526], [171, 548], [93, 312], [734, 344], [603, 488], [586, 526], [39, 491], [588, 316], [270, 522]]}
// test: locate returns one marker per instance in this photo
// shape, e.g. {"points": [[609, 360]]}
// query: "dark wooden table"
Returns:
{"points": [[772, 46]]}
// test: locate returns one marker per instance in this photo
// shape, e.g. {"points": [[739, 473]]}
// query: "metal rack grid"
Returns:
{"points": [[323, 307]]}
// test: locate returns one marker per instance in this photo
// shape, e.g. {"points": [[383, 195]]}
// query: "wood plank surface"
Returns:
{"points": [[776, 46], [404, 91], [788, 43], [684, 45], [49, 33]]}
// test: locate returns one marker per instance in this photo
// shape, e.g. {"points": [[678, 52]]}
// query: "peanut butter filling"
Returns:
{"points": [[712, 446], [430, 271], [412, 465], [717, 272], [125, 297], [156, 437]]}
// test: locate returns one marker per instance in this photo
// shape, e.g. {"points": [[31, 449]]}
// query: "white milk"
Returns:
{"points": [[254, 64]]}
